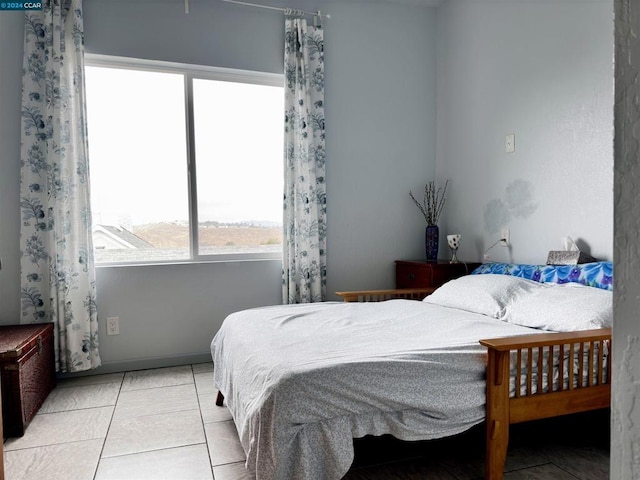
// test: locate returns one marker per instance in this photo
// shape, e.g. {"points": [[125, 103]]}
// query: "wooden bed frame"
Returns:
{"points": [[592, 389], [502, 410], [382, 295], [585, 390]]}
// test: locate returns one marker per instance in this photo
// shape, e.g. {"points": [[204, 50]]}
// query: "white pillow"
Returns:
{"points": [[486, 294], [563, 308]]}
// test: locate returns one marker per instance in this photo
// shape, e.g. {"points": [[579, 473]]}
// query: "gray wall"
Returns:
{"points": [[380, 113], [625, 409], [11, 31], [544, 71]]}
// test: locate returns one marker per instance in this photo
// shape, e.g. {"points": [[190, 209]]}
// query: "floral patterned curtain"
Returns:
{"points": [[304, 258], [57, 275]]}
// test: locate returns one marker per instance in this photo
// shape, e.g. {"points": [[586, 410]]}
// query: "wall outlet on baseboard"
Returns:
{"points": [[113, 325]]}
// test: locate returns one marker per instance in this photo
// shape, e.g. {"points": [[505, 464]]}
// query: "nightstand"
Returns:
{"points": [[423, 274]]}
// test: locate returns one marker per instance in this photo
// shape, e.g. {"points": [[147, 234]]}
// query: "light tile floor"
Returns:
{"points": [[163, 424]]}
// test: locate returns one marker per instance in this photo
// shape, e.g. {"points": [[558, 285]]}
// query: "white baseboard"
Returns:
{"points": [[142, 364]]}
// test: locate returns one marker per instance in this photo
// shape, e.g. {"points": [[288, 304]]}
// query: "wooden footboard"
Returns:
{"points": [[583, 382], [382, 295]]}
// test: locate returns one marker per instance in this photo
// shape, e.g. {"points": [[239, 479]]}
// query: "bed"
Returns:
{"points": [[301, 381]]}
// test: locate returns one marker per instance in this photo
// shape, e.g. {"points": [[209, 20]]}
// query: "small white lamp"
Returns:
{"points": [[454, 243]]}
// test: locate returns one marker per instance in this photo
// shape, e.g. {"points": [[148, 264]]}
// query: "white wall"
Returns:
{"points": [[544, 71], [169, 313], [625, 431], [11, 31], [380, 138], [380, 115]]}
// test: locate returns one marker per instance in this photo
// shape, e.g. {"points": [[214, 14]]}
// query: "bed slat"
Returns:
{"points": [[550, 364], [572, 355], [383, 295], [590, 366], [529, 371], [519, 373], [581, 366], [561, 369], [540, 372]]}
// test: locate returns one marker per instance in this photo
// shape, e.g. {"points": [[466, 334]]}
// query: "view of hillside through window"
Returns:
{"points": [[138, 143]]}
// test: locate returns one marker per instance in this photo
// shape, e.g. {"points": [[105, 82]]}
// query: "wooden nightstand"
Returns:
{"points": [[423, 274], [415, 279]]}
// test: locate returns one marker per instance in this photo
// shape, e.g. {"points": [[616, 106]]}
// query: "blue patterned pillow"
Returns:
{"points": [[596, 274]]}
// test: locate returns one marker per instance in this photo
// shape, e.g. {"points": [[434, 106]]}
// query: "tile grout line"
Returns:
{"points": [[10, 449], [151, 388], [101, 458], [566, 471], [50, 444], [204, 430], [104, 442], [154, 450], [93, 385]]}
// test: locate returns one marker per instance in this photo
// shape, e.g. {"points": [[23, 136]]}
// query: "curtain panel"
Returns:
{"points": [[304, 245], [57, 274]]}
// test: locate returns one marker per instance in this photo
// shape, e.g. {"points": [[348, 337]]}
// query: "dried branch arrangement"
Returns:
{"points": [[433, 202]]}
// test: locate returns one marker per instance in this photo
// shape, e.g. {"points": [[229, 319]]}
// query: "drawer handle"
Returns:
{"points": [[411, 276]]}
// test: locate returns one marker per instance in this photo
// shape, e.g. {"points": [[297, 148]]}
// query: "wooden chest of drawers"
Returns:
{"points": [[421, 274]]}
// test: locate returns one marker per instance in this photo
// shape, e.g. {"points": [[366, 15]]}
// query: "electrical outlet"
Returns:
{"points": [[504, 237], [113, 325], [510, 143]]}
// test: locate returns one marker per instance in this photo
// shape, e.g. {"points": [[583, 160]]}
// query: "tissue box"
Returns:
{"points": [[565, 257]]}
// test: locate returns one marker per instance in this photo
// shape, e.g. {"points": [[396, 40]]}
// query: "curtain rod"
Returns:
{"points": [[269, 7]]}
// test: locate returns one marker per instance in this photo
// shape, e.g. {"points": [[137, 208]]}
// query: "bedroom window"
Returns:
{"points": [[186, 162]]}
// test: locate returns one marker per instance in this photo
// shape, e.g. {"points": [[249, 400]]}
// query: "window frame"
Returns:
{"points": [[190, 73]]}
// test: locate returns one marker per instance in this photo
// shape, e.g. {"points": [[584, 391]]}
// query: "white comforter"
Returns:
{"points": [[302, 381]]}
